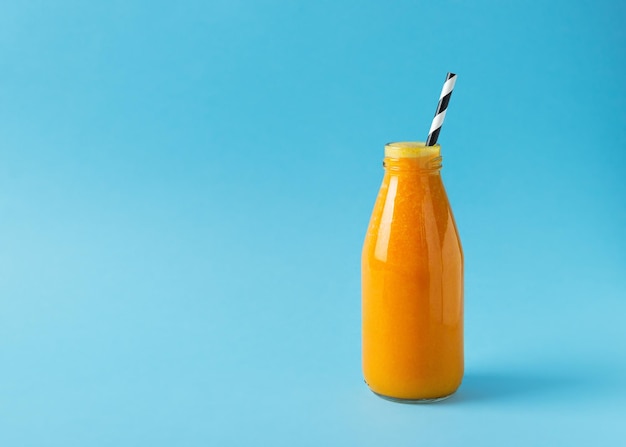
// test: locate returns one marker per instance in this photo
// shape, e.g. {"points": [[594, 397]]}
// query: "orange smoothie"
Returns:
{"points": [[412, 282]]}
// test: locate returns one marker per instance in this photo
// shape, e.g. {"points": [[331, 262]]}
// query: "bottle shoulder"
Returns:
{"points": [[412, 217]]}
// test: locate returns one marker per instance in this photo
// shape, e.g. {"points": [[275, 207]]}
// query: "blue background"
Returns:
{"points": [[185, 187]]}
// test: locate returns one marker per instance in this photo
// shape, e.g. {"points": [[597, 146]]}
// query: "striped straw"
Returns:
{"points": [[440, 114]]}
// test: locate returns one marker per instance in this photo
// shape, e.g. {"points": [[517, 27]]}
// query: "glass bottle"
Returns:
{"points": [[412, 282]]}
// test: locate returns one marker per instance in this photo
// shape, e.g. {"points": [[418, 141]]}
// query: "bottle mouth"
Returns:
{"points": [[411, 149]]}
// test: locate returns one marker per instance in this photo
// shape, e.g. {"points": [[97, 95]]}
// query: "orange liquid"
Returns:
{"points": [[412, 282]]}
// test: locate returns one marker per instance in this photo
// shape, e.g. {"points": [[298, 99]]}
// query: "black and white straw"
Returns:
{"points": [[440, 114]]}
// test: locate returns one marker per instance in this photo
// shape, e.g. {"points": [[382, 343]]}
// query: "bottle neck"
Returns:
{"points": [[412, 157]]}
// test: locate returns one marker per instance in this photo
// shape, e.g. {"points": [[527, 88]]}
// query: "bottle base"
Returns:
{"points": [[413, 401]]}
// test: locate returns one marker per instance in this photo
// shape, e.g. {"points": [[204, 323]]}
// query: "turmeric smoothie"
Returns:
{"points": [[412, 281]]}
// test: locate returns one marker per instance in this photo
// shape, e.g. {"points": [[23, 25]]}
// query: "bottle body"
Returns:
{"points": [[412, 282]]}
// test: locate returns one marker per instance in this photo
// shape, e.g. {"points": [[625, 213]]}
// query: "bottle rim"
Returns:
{"points": [[411, 149]]}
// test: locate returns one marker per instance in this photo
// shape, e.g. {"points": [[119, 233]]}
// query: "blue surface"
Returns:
{"points": [[185, 188]]}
